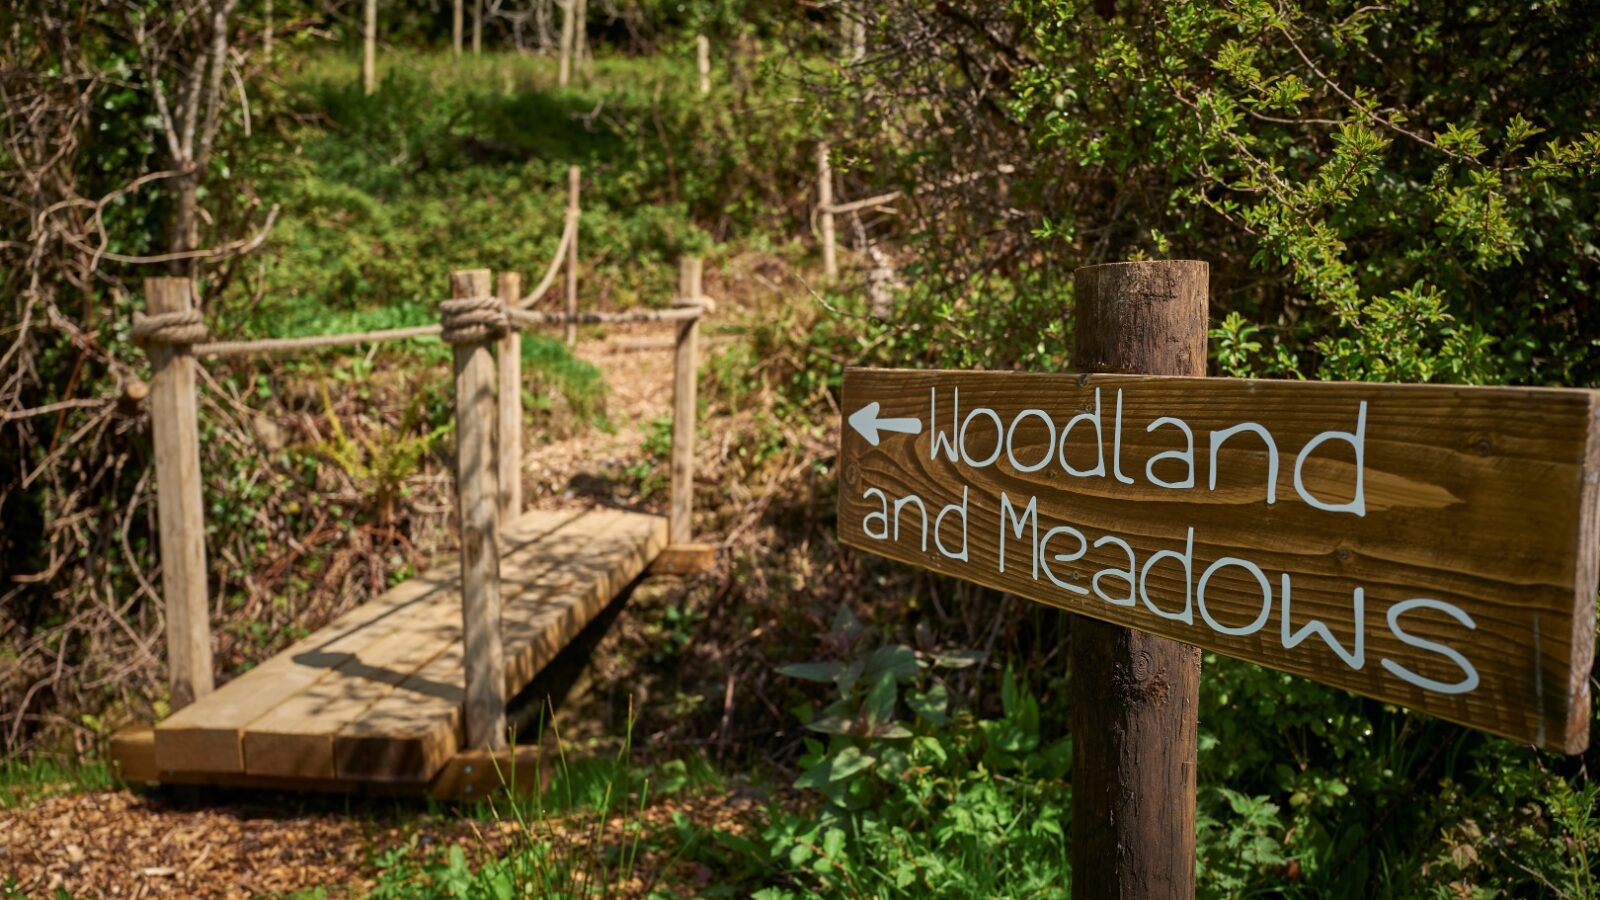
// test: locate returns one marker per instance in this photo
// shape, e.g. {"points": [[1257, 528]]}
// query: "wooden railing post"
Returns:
{"points": [[702, 53], [685, 363], [830, 259], [574, 177], [455, 29], [508, 450], [1133, 697], [175, 423], [369, 48], [568, 39], [480, 557]]}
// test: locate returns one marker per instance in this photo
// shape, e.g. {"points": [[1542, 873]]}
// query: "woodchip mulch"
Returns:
{"points": [[118, 843]]}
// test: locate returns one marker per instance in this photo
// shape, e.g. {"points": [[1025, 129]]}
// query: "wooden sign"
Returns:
{"points": [[1429, 546]]}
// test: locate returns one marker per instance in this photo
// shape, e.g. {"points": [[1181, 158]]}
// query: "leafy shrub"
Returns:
{"points": [[916, 797]]}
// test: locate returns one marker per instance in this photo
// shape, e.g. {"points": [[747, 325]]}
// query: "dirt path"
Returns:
{"points": [[591, 466]]}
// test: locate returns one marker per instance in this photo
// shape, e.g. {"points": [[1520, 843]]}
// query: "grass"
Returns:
{"points": [[25, 781], [582, 833]]}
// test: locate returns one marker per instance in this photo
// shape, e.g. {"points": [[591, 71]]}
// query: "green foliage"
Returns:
{"points": [[1403, 229], [24, 780], [1312, 792], [579, 836], [379, 466], [919, 798], [380, 207]]}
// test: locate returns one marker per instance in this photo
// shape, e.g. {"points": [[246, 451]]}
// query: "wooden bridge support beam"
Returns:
{"points": [[478, 495], [508, 450], [174, 422]]}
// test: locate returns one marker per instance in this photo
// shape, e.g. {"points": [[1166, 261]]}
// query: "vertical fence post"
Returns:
{"points": [[1133, 697], [508, 452], [369, 48], [702, 50], [583, 60], [685, 363], [830, 259], [175, 423], [480, 555], [573, 217], [455, 29], [568, 38]]}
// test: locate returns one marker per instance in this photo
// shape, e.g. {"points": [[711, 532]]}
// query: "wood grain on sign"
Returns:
{"points": [[1450, 567]]}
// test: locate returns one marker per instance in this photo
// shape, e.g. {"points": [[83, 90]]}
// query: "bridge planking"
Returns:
{"points": [[409, 734], [295, 738], [397, 659]]}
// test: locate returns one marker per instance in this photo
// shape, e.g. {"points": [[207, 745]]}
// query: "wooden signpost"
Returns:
{"points": [[1429, 546]]}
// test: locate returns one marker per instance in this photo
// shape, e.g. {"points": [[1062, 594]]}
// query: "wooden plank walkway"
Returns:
{"points": [[376, 697]]}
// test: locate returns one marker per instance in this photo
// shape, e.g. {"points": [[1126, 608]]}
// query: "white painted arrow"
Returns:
{"points": [[866, 421]]}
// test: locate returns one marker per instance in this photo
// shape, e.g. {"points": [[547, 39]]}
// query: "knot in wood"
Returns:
{"points": [[472, 320], [180, 328]]}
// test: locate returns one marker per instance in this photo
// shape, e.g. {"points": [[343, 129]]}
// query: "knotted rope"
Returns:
{"points": [[182, 328], [471, 320]]}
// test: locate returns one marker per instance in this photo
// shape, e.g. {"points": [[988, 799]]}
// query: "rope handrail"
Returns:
{"points": [[290, 345], [311, 342], [522, 317], [555, 266], [678, 314], [891, 196]]}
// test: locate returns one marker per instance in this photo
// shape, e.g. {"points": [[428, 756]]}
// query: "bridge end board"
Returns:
{"points": [[133, 755], [685, 559], [475, 774]]}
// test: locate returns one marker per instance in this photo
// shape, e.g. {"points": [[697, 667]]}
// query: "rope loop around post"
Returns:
{"points": [[472, 320], [182, 328]]}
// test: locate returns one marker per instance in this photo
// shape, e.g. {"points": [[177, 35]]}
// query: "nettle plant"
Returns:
{"points": [[915, 793]]}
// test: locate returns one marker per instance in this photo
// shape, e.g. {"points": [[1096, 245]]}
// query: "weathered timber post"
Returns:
{"points": [[455, 30], [1133, 697], [684, 366], [508, 451], [573, 216], [369, 48], [470, 327], [702, 51], [568, 11], [175, 424], [830, 259], [583, 59]]}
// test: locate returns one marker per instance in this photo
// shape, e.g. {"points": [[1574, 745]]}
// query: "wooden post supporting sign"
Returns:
{"points": [[477, 493], [175, 428], [1430, 546], [1133, 697]]}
